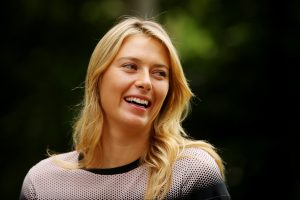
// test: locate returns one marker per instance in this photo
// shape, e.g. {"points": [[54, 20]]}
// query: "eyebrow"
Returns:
{"points": [[139, 61]]}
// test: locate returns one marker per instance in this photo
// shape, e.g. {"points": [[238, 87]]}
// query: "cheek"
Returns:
{"points": [[108, 93], [163, 96], [105, 93], [113, 88], [163, 92]]}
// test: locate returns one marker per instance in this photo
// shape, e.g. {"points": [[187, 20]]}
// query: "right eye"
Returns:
{"points": [[130, 66]]}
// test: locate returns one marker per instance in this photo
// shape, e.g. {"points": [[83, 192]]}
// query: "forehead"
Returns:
{"points": [[144, 47]]}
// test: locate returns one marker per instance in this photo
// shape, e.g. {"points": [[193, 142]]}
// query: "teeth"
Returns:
{"points": [[137, 100]]}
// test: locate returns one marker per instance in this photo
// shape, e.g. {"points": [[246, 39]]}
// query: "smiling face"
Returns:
{"points": [[135, 85]]}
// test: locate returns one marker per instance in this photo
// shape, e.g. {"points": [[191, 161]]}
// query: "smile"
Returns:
{"points": [[138, 101]]}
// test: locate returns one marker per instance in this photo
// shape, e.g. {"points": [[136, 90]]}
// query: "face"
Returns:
{"points": [[135, 85]]}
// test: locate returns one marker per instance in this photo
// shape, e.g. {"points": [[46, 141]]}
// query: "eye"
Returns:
{"points": [[130, 66], [161, 73]]}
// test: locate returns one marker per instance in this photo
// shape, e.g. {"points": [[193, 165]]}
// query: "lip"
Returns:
{"points": [[140, 97]]}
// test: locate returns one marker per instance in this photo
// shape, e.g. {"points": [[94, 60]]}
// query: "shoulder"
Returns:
{"points": [[200, 176], [49, 164], [198, 157], [42, 171], [198, 165], [50, 161]]}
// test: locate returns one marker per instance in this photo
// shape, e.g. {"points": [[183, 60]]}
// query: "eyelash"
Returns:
{"points": [[132, 66], [161, 73]]}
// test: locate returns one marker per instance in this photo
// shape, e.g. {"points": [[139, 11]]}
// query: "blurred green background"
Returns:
{"points": [[229, 50]]}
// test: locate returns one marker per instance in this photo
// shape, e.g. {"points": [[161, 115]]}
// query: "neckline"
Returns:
{"points": [[115, 170]]}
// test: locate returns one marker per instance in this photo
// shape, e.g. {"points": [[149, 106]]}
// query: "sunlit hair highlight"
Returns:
{"points": [[168, 138]]}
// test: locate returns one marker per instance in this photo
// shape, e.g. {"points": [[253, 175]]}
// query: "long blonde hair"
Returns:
{"points": [[168, 138]]}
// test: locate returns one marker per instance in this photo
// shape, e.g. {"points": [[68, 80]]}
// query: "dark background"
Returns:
{"points": [[236, 56]]}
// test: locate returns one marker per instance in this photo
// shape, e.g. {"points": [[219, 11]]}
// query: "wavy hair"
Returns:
{"points": [[168, 138]]}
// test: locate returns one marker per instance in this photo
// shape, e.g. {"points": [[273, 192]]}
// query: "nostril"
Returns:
{"points": [[144, 85]]}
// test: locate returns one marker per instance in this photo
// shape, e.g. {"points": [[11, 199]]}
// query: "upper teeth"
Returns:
{"points": [[137, 100]]}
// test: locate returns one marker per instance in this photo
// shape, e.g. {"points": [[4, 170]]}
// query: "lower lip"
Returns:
{"points": [[136, 107]]}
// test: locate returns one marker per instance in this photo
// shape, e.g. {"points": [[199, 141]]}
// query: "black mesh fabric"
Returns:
{"points": [[195, 176]]}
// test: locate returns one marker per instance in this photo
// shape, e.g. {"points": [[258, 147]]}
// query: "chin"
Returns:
{"points": [[137, 123]]}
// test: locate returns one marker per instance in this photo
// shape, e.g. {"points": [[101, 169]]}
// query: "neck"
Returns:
{"points": [[120, 146]]}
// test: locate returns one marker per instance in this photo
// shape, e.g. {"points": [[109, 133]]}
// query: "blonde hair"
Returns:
{"points": [[168, 138]]}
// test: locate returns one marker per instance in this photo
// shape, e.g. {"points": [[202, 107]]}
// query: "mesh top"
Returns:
{"points": [[196, 176]]}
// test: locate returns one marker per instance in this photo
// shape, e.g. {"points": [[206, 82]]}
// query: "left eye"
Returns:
{"points": [[161, 73]]}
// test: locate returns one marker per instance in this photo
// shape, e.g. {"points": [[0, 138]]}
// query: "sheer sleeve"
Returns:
{"points": [[203, 180], [27, 191]]}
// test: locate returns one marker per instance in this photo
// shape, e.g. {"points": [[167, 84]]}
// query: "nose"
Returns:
{"points": [[143, 81]]}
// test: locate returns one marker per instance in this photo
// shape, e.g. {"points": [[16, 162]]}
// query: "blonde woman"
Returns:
{"points": [[128, 138]]}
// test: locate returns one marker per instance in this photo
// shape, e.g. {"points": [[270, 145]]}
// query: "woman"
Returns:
{"points": [[128, 138]]}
